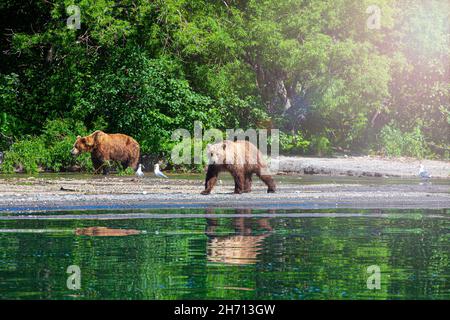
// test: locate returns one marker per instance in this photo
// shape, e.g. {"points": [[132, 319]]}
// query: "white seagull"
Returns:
{"points": [[158, 172], [423, 173], [139, 172]]}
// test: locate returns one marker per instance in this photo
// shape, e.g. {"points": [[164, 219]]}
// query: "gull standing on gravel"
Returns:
{"points": [[424, 173], [158, 172], [140, 175], [139, 172]]}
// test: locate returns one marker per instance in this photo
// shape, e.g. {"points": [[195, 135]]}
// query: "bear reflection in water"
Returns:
{"points": [[105, 232], [242, 247]]}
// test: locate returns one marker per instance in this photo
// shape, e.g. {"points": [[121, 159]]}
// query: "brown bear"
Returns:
{"points": [[105, 232], [104, 147], [242, 159]]}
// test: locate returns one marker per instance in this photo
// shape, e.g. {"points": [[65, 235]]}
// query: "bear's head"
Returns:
{"points": [[220, 153], [82, 144]]}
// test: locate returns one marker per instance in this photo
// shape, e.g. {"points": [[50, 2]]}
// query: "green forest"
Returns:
{"points": [[321, 71]]}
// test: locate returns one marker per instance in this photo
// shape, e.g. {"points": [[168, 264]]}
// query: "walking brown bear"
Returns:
{"points": [[104, 147], [242, 159]]}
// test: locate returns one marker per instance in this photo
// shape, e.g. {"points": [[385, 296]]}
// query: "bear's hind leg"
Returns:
{"points": [[211, 179]]}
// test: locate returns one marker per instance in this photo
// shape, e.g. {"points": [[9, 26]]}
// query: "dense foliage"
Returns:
{"points": [[313, 69], [50, 150]]}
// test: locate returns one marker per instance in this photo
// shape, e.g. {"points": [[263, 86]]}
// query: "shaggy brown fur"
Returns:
{"points": [[104, 147], [242, 159]]}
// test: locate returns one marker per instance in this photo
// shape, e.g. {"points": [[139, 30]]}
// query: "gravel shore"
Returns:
{"points": [[294, 192], [303, 183]]}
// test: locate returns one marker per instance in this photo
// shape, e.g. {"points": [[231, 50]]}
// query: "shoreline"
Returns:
{"points": [[293, 193], [302, 184]]}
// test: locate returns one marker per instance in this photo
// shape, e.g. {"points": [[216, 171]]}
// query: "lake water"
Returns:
{"points": [[227, 254]]}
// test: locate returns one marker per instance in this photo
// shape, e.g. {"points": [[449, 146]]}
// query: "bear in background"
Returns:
{"points": [[104, 147], [242, 159]]}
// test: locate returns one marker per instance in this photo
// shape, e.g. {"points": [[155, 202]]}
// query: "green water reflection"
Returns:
{"points": [[229, 257]]}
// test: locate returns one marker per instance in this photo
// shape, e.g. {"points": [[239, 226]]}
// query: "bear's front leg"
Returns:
{"points": [[236, 188], [211, 179], [97, 163], [269, 183], [248, 182], [106, 168], [238, 182]]}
